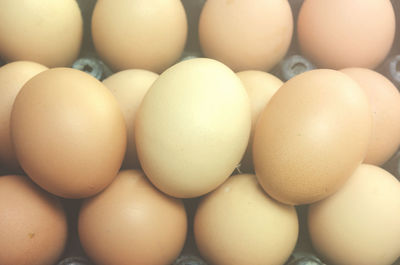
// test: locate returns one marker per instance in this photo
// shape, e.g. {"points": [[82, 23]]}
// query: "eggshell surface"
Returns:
{"points": [[385, 109], [193, 127], [132, 223], [44, 31], [246, 35], [260, 86], [129, 88], [341, 33], [68, 132], [145, 34], [239, 224], [360, 223], [311, 136], [12, 77], [33, 224]]}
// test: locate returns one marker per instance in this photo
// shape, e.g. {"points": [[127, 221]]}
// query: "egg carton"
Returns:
{"points": [[292, 64]]}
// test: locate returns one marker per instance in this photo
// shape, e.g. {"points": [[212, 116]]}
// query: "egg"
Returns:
{"points": [[68, 132], [44, 31], [360, 223], [144, 34], [12, 77], [246, 35], [131, 222], [311, 136], [239, 224], [129, 88], [33, 224], [385, 109], [260, 86], [346, 33], [192, 127]]}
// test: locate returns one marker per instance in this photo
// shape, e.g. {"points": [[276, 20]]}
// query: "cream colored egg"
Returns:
{"points": [[193, 127], [239, 224], [44, 31], [12, 77], [360, 223], [260, 86], [145, 34], [129, 88]]}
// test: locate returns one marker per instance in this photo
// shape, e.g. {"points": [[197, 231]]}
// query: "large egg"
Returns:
{"points": [[360, 223], [145, 34], [239, 224], [260, 86], [346, 33], [12, 77], [44, 31], [385, 109], [129, 88], [193, 127], [132, 223], [311, 136], [68, 132], [33, 224], [246, 35]]}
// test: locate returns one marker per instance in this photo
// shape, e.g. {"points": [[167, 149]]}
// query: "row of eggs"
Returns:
{"points": [[188, 129], [243, 35]]}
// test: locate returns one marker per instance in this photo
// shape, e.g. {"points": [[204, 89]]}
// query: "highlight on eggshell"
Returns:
{"points": [[68, 132], [311, 136], [193, 127]]}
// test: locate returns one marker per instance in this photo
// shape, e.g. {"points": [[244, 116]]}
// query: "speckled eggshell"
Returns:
{"points": [[311, 136], [33, 224]]}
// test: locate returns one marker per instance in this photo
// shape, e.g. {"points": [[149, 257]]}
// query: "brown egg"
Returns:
{"points": [[246, 35], [342, 33], [193, 127], [260, 86], [44, 31], [144, 34], [132, 223], [360, 223], [33, 225], [12, 77], [311, 136], [239, 224], [129, 88], [385, 108], [68, 132]]}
